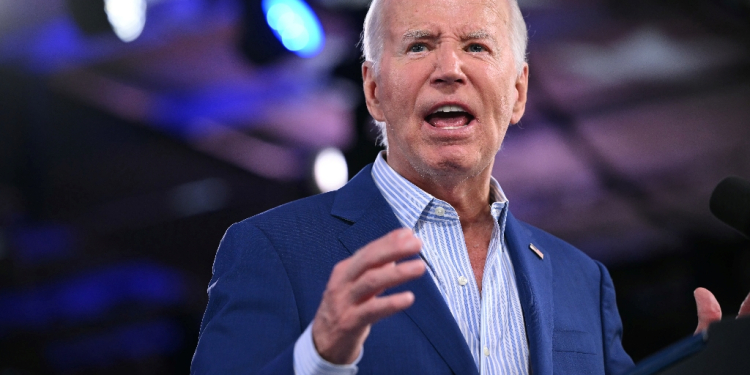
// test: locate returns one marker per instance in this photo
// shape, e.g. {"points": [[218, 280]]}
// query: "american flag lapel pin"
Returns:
{"points": [[536, 251]]}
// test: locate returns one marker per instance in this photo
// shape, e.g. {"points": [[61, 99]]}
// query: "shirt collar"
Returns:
{"points": [[410, 203]]}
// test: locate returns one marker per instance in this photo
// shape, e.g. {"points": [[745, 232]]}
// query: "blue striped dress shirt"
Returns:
{"points": [[491, 321]]}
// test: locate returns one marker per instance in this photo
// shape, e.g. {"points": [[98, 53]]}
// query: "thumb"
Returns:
{"points": [[709, 310], [745, 307]]}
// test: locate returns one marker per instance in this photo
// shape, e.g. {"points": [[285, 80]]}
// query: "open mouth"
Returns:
{"points": [[449, 117]]}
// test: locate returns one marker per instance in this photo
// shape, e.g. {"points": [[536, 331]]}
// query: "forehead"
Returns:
{"points": [[463, 17]]}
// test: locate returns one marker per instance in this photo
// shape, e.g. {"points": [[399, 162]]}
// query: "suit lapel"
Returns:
{"points": [[534, 283], [361, 203]]}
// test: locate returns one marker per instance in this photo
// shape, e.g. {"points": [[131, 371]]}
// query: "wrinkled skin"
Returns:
{"points": [[445, 52]]}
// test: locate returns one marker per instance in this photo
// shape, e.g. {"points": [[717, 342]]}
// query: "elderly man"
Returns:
{"points": [[330, 284]]}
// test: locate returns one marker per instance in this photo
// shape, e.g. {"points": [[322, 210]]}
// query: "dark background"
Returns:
{"points": [[121, 164]]}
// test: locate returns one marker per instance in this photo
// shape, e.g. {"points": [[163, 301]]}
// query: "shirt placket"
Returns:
{"points": [[490, 292], [457, 278]]}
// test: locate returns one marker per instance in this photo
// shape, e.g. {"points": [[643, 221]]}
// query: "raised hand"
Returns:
{"points": [[351, 301], [709, 310]]}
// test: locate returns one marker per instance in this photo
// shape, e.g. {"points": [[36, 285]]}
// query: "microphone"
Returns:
{"points": [[730, 203]]}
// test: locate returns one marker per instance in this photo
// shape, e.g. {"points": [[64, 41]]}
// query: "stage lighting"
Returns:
{"points": [[295, 25], [330, 170], [126, 18], [274, 28]]}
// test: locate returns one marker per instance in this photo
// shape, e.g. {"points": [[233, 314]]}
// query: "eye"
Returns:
{"points": [[417, 47], [476, 48]]}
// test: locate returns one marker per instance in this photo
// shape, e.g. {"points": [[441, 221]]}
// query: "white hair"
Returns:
{"points": [[372, 43]]}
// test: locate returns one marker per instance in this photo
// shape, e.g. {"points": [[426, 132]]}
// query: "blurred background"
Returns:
{"points": [[134, 132]]}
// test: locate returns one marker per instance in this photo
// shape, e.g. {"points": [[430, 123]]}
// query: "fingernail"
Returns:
{"points": [[404, 233], [415, 266], [410, 296]]}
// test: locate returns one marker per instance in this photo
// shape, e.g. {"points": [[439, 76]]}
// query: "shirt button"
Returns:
{"points": [[486, 351], [462, 280], [440, 211]]}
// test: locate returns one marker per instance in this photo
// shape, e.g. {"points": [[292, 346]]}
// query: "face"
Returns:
{"points": [[446, 86]]}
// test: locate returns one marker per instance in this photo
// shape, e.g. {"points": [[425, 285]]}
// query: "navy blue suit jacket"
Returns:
{"points": [[271, 270]]}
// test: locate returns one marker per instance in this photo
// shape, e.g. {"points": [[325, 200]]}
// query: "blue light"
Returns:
{"points": [[108, 347], [294, 23], [90, 295]]}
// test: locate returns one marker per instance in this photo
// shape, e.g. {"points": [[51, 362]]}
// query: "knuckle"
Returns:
{"points": [[368, 316], [340, 267], [329, 294], [365, 254], [331, 286], [372, 258], [361, 291], [349, 323], [369, 282], [334, 293]]}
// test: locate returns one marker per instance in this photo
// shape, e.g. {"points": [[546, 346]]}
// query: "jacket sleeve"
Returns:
{"points": [[616, 360], [251, 321]]}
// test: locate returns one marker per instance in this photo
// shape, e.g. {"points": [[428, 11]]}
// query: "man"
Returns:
{"points": [[329, 284]]}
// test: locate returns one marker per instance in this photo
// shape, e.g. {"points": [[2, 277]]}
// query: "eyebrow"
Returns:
{"points": [[480, 34], [424, 34], [416, 34]]}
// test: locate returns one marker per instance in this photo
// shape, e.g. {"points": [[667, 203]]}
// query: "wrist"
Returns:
{"points": [[339, 350]]}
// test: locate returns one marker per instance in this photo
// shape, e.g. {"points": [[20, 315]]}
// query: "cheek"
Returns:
{"points": [[503, 105], [399, 102], [406, 81], [504, 77]]}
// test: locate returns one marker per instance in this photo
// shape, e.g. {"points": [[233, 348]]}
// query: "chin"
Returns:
{"points": [[453, 165]]}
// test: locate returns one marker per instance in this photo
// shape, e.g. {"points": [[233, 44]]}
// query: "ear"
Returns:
{"points": [[522, 88], [370, 87]]}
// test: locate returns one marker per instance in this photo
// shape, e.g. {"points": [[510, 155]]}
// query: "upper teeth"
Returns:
{"points": [[450, 108]]}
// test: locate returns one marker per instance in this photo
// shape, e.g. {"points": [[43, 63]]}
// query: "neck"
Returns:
{"points": [[468, 195]]}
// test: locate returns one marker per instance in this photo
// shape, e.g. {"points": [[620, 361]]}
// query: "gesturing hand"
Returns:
{"points": [[709, 310], [351, 301]]}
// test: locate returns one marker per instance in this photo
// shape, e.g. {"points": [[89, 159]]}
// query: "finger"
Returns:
{"points": [[377, 280], [709, 310], [745, 307], [382, 307], [394, 246]]}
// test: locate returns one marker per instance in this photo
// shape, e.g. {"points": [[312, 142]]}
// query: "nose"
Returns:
{"points": [[448, 67]]}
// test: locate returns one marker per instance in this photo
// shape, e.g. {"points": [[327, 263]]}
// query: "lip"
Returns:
{"points": [[435, 106], [451, 134]]}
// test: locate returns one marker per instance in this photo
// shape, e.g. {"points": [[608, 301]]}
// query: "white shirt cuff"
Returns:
{"points": [[307, 361]]}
